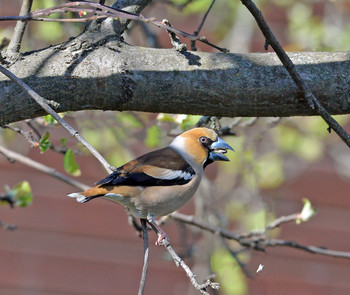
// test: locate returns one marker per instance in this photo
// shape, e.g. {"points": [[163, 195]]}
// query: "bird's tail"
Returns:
{"points": [[88, 195], [80, 197]]}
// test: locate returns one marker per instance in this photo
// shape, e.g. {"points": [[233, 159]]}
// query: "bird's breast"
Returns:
{"points": [[163, 200]]}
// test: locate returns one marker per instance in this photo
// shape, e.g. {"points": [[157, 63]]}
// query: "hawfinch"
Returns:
{"points": [[160, 182]]}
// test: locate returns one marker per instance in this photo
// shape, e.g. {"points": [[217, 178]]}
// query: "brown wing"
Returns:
{"points": [[158, 168]]}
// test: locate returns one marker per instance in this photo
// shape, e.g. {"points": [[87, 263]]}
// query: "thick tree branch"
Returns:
{"points": [[90, 72]]}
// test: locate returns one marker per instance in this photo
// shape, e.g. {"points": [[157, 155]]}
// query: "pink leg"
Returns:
{"points": [[160, 232]]}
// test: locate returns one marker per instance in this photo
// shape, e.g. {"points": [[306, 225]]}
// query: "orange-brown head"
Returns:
{"points": [[201, 146]]}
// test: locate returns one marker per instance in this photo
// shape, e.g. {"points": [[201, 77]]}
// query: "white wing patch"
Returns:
{"points": [[173, 174]]}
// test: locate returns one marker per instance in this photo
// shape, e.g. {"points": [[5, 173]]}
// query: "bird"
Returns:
{"points": [[161, 181]]}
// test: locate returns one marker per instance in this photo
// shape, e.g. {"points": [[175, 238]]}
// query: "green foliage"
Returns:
{"points": [[292, 140], [185, 121], [306, 29], [229, 273], [153, 136], [198, 6], [269, 170], [48, 31], [189, 121], [44, 143], [255, 219], [21, 194], [70, 165], [49, 120], [129, 120]]}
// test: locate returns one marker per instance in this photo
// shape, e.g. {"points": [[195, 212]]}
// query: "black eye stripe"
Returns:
{"points": [[205, 141]]}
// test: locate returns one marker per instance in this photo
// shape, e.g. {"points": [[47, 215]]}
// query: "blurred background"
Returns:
{"points": [[63, 247]]}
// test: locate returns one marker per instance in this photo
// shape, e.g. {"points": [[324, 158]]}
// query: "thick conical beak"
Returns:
{"points": [[218, 149]]}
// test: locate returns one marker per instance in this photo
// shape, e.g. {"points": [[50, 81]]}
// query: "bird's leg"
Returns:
{"points": [[159, 231]]}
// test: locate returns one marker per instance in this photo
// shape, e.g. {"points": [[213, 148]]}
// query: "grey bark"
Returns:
{"points": [[98, 71]]}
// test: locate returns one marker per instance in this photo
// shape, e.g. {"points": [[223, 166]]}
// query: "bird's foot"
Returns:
{"points": [[162, 236]]}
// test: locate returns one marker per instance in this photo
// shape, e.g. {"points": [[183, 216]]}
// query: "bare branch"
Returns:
{"points": [[145, 257], [281, 220], [26, 134], [193, 43], [11, 155], [235, 254], [45, 105], [175, 41], [101, 11], [258, 240], [7, 226], [294, 73], [18, 33], [310, 249], [179, 262]]}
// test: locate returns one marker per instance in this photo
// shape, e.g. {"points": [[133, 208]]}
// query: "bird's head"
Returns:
{"points": [[201, 145]]}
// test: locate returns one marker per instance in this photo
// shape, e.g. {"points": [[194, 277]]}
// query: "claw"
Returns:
{"points": [[161, 236]]}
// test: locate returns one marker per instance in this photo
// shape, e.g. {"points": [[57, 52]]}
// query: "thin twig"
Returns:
{"points": [[45, 105], [179, 262], [26, 134], [145, 257], [235, 254], [193, 43], [11, 155], [101, 11], [7, 226], [18, 33], [310, 249], [293, 72], [61, 150], [175, 41], [257, 239], [281, 220]]}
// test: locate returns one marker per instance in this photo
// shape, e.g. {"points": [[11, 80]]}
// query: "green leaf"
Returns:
{"points": [[50, 120], [70, 165], [307, 212], [189, 121], [22, 194], [164, 117], [44, 143], [153, 136]]}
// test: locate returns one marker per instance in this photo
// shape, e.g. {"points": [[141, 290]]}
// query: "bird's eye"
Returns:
{"points": [[203, 139]]}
